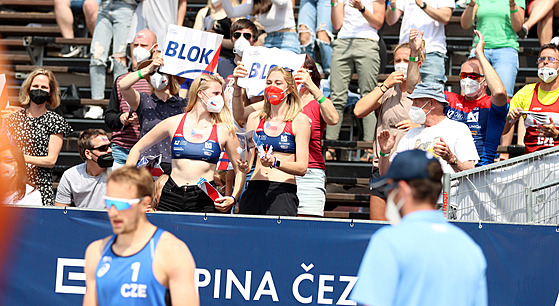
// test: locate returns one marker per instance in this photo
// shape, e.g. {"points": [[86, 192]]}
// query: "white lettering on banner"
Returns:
{"points": [[232, 278], [75, 276], [133, 290], [323, 288], [351, 280], [267, 280]]}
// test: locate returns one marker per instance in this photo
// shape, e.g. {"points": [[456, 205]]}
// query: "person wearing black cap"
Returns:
{"points": [[450, 141], [424, 260]]}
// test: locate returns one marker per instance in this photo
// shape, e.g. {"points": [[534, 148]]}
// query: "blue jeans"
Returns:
{"points": [[113, 23], [505, 63], [315, 14], [120, 154], [283, 40], [433, 69]]}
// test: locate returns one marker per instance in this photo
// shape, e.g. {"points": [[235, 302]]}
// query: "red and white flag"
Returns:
{"points": [[208, 189]]}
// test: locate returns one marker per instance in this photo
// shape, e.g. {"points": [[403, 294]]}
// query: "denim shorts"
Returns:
{"points": [[433, 70], [505, 63], [311, 192], [283, 40]]}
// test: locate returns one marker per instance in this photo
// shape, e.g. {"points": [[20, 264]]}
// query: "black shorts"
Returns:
{"points": [[378, 192], [269, 198], [185, 198]]}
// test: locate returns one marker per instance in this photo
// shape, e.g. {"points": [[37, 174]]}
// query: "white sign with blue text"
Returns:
{"points": [[189, 53], [259, 60]]}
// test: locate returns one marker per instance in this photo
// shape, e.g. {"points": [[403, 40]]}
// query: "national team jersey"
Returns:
{"points": [[129, 280], [485, 121]]}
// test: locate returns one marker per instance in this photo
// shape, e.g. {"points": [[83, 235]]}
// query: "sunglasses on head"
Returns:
{"points": [[471, 75], [551, 59], [120, 204], [247, 36], [101, 148]]}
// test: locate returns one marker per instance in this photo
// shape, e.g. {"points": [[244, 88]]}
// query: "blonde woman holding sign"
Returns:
{"points": [[197, 139], [281, 126]]}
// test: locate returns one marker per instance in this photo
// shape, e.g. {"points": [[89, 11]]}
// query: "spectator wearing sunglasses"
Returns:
{"points": [[241, 28], [166, 262], [483, 114], [84, 185], [277, 18], [542, 101]]}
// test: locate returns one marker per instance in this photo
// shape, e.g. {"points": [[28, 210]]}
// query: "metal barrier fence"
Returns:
{"points": [[523, 189]]}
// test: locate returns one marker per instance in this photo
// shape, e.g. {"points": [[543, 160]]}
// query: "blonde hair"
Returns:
{"points": [[202, 83], [137, 177], [292, 99], [406, 45], [54, 94]]}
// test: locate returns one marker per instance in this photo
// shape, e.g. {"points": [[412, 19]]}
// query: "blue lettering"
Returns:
{"points": [[193, 58], [205, 56], [254, 70], [181, 54], [171, 49], [264, 72]]}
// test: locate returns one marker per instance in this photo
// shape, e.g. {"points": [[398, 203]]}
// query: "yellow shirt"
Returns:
{"points": [[523, 98]]}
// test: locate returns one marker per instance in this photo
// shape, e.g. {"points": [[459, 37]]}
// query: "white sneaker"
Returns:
{"points": [[93, 112]]}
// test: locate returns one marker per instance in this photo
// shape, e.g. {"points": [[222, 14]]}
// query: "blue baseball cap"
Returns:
{"points": [[429, 90], [407, 165]]}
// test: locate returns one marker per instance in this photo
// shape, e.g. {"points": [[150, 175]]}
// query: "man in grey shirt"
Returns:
{"points": [[84, 185]]}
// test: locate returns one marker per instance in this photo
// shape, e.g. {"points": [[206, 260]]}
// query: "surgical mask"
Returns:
{"points": [[216, 2], [417, 115], [105, 160], [241, 45], [547, 74], [470, 88], [214, 104], [7, 171], [402, 67], [275, 95], [392, 212], [38, 96], [159, 81], [140, 54]]}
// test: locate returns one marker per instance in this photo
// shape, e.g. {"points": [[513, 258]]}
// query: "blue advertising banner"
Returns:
{"points": [[264, 261]]}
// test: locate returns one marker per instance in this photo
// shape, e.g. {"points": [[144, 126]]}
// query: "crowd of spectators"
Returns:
{"points": [[409, 110]]}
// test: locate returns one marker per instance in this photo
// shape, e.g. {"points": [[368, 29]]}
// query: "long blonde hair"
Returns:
{"points": [[54, 94], [292, 99], [202, 83]]}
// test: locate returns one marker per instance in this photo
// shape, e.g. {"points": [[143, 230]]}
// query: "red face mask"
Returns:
{"points": [[275, 95]]}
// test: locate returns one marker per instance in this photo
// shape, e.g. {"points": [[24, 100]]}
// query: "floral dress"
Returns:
{"points": [[32, 135]]}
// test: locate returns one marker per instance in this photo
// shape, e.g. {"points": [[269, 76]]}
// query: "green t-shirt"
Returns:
{"points": [[493, 21]]}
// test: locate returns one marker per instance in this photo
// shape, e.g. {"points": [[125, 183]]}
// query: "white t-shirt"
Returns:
{"points": [[280, 16], [154, 15], [456, 134], [415, 17], [32, 197], [355, 25], [86, 191]]}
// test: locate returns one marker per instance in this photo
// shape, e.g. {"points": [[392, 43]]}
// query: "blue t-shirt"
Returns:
{"points": [[485, 120], [129, 280], [424, 260]]}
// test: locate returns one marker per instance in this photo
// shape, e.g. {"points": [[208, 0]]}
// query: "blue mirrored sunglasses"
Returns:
{"points": [[120, 204]]}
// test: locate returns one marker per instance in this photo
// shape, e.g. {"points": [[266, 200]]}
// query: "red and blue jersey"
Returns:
{"points": [[485, 120]]}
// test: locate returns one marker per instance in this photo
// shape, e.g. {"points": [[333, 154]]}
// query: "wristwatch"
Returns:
{"points": [[277, 163], [424, 5], [454, 161], [362, 10]]}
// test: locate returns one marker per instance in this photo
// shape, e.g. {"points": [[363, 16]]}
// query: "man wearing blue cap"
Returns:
{"points": [[424, 260], [450, 141]]}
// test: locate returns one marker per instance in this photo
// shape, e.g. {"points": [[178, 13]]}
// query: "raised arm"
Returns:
{"points": [[372, 101], [240, 111], [163, 129], [468, 15], [393, 13], [416, 43], [375, 18], [498, 90], [441, 14], [237, 11], [130, 94], [327, 109], [55, 145]]}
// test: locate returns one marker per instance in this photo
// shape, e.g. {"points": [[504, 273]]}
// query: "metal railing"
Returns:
{"points": [[519, 190]]}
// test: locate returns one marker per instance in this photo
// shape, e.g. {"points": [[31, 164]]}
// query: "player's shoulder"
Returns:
{"points": [[95, 249], [170, 244]]}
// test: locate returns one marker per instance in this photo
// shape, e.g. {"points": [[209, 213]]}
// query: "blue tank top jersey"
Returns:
{"points": [[129, 280], [207, 151], [485, 120], [284, 143]]}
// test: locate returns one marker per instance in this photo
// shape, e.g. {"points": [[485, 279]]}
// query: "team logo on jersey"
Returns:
{"points": [[105, 267], [283, 138]]}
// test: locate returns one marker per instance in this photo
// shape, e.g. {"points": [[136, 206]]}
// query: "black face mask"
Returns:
{"points": [[105, 160], [38, 96]]}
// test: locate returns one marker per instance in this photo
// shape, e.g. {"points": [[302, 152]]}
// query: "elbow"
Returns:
{"points": [[50, 163], [301, 172], [358, 113], [334, 120]]}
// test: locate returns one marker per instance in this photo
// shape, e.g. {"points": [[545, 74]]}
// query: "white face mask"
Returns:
{"points": [[402, 67], [392, 212], [417, 115], [140, 54], [216, 2], [241, 45], [159, 81], [214, 104], [469, 87], [547, 74]]}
